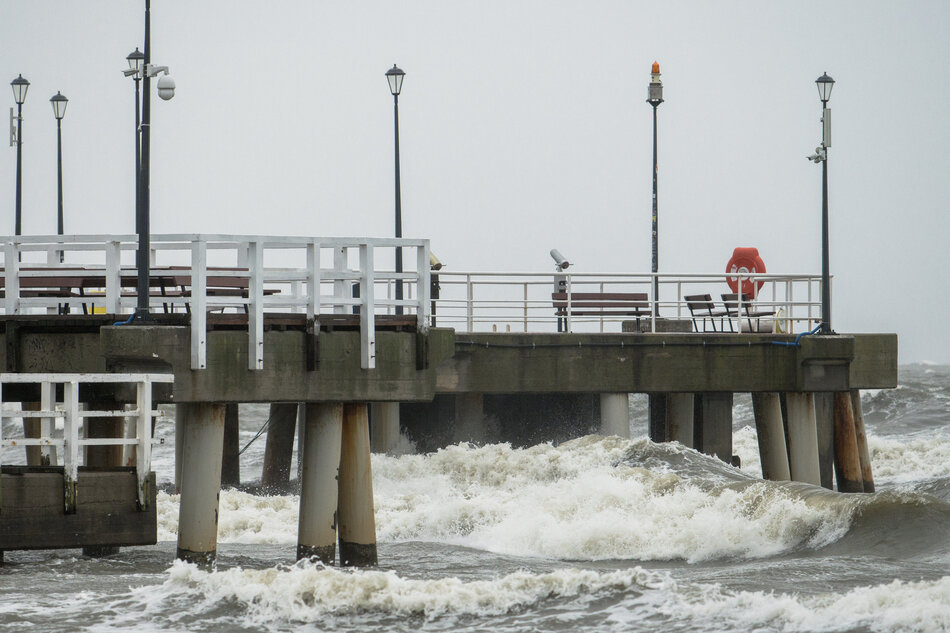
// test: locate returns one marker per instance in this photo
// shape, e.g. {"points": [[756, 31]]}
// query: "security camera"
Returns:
{"points": [[560, 260], [434, 263], [166, 87], [818, 156]]}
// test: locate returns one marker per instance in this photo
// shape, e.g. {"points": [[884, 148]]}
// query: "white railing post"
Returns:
{"points": [[255, 314], [422, 286], [367, 308], [71, 443], [143, 433], [113, 276], [526, 306], [313, 280], [339, 285], [11, 275], [469, 304], [570, 292], [654, 300], [47, 424], [199, 312]]}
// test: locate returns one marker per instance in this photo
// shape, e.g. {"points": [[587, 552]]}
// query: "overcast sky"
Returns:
{"points": [[523, 128]]}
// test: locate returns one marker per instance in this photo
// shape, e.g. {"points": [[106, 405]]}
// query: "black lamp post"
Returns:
{"points": [[655, 98], [395, 76], [58, 101], [136, 60], [166, 90], [20, 86], [825, 84]]}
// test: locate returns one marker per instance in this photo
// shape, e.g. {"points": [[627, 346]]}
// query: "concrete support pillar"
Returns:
{"points": [[863, 453], [802, 438], [825, 425], [319, 488], [679, 415], [773, 451], [847, 462], [356, 519], [181, 423], [658, 404], [615, 414], [713, 416], [279, 451], [230, 460], [202, 445], [384, 430], [469, 418]]}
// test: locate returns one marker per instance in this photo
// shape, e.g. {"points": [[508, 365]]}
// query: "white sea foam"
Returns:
{"points": [[304, 591], [576, 501], [922, 607], [905, 460]]}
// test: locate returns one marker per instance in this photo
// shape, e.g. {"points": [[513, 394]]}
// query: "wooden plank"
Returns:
{"points": [[106, 514]]}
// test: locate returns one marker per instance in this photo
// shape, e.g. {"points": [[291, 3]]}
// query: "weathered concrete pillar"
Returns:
{"points": [[319, 488], [863, 453], [356, 518], [181, 423], [202, 446], [279, 451], [825, 425], [658, 404], [469, 419], [384, 426], [680, 418], [802, 438], [773, 451], [230, 460], [615, 414], [847, 462], [714, 417]]}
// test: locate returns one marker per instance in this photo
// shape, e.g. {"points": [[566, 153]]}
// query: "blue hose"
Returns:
{"points": [[798, 338], [125, 322]]}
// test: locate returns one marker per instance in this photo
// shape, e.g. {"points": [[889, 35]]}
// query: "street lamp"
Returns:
{"points": [[655, 98], [20, 86], [136, 61], [166, 90], [58, 101], [825, 84], [394, 76]]}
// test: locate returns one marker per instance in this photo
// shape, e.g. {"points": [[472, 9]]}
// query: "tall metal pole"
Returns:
{"points": [[656, 264], [825, 273], [59, 179], [19, 172], [138, 152], [398, 203], [142, 210]]}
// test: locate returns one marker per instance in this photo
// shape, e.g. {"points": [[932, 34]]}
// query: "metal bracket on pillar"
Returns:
{"points": [[313, 345]]}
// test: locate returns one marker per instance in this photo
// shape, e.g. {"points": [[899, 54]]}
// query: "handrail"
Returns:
{"points": [[311, 275], [68, 411]]}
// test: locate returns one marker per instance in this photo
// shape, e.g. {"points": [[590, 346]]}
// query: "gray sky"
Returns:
{"points": [[523, 127]]}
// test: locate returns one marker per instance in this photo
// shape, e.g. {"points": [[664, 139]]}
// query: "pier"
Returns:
{"points": [[314, 327]]}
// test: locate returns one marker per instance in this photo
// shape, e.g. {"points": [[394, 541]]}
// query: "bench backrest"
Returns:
{"points": [[699, 303], [605, 300]]}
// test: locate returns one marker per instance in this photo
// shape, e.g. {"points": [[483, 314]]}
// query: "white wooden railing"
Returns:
{"points": [[62, 423], [521, 302], [308, 275]]}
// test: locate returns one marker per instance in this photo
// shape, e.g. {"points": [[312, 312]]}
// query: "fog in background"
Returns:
{"points": [[524, 127]]}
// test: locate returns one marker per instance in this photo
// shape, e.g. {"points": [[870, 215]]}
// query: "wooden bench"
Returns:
{"points": [[603, 304], [702, 307], [731, 303]]}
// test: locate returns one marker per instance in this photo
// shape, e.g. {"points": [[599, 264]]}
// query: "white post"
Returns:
{"points": [[143, 432], [11, 275], [200, 483], [71, 443], [199, 312], [113, 277], [319, 489], [339, 285], [255, 314], [422, 286], [469, 304], [367, 308], [47, 424], [313, 280]]}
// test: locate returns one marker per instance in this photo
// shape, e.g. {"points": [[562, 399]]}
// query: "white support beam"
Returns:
{"points": [[255, 308], [199, 312], [367, 308]]}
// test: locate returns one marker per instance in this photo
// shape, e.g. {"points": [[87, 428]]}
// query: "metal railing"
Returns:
{"points": [[309, 275], [522, 302], [61, 424]]}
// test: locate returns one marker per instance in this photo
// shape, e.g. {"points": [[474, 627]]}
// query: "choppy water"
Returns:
{"points": [[595, 534]]}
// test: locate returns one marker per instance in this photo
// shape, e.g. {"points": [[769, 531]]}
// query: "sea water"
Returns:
{"points": [[598, 533]]}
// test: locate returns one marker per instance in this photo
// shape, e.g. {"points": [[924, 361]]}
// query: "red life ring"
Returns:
{"points": [[745, 260]]}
